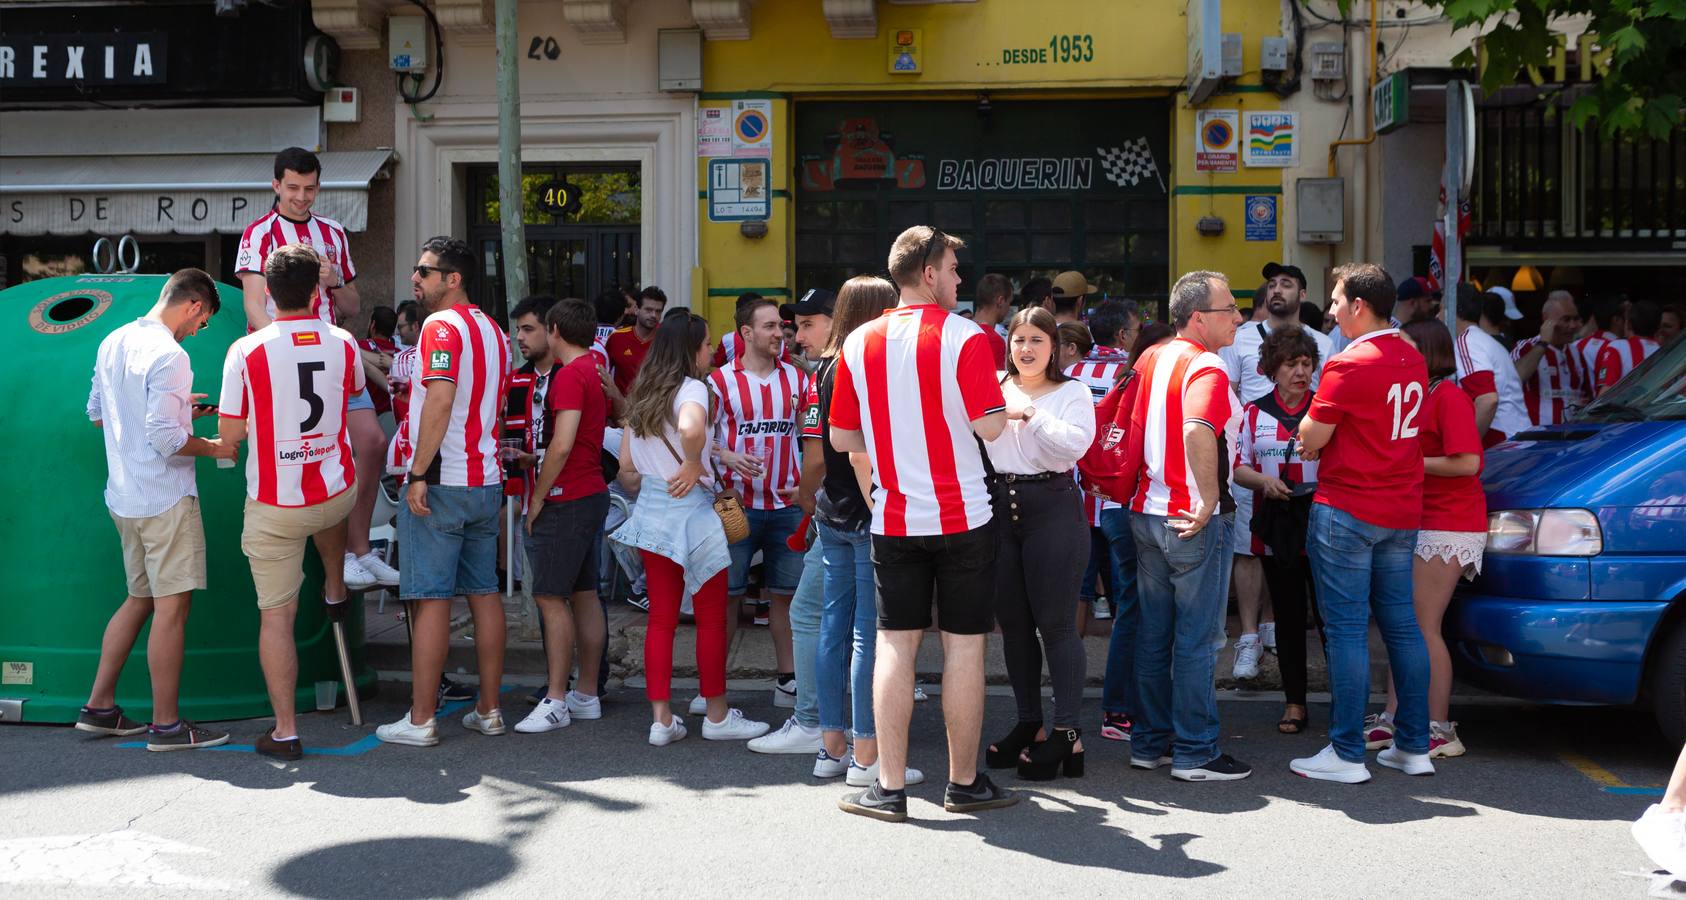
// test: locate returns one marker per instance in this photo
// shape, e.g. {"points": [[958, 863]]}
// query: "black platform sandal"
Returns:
{"points": [[1004, 754], [1054, 756]]}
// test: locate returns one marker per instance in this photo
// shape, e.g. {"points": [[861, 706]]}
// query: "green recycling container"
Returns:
{"points": [[59, 552]]}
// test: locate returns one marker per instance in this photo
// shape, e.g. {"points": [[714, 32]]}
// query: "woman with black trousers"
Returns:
{"points": [[1043, 544]]}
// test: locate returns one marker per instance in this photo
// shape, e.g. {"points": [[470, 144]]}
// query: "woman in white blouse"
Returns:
{"points": [[1043, 546]]}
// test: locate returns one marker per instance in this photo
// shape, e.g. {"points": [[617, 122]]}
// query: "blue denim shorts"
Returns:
{"points": [[359, 400], [781, 567], [453, 551]]}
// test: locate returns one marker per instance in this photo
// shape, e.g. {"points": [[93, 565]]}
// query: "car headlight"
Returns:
{"points": [[1544, 532]]}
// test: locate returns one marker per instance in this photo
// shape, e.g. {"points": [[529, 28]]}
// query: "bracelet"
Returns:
{"points": [[418, 476]]}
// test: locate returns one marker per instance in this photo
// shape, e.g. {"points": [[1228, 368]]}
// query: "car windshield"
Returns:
{"points": [[1655, 389]]}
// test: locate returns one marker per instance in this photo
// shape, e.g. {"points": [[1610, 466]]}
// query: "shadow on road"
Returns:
{"points": [[396, 869]]}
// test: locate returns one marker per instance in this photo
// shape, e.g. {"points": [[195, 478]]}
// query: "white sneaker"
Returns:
{"points": [[828, 766], [662, 735], [489, 724], [1662, 835], [733, 728], [1443, 740], [864, 776], [405, 732], [919, 695], [1409, 763], [383, 574], [1267, 636], [357, 578], [1328, 766], [784, 694], [791, 737], [1247, 657], [549, 715], [582, 706], [699, 705]]}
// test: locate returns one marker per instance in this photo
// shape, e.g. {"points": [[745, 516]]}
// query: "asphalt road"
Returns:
{"points": [[1540, 807]]}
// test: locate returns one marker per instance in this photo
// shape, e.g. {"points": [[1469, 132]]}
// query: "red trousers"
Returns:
{"points": [[665, 581]]}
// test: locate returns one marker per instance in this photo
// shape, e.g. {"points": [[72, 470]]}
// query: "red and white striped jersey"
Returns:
{"points": [[1181, 382], [461, 345], [1617, 358], [273, 230], [1484, 366], [398, 450], [290, 381], [758, 416], [1586, 349], [1098, 371], [912, 381], [1557, 384], [1263, 446]]}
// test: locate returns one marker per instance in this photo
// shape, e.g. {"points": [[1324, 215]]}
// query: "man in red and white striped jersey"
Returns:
{"points": [[915, 390], [285, 387], [1487, 374], [1609, 323], [1553, 379], [448, 525], [759, 399], [1618, 356], [1185, 423]]}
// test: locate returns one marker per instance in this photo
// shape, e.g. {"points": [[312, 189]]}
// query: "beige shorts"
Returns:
{"points": [[164, 554], [274, 539]]}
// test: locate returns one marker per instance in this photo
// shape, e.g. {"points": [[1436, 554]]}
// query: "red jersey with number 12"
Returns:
{"points": [[461, 345], [1372, 467]]}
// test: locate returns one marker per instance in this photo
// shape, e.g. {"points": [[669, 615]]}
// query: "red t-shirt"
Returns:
{"points": [[377, 394], [1448, 428], [626, 354], [1373, 393], [575, 386], [997, 346]]}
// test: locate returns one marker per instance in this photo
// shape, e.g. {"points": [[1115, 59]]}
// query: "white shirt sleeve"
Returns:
{"points": [[167, 406], [1064, 428], [96, 405]]}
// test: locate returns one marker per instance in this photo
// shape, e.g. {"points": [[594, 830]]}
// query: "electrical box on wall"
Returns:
{"points": [[1328, 61], [679, 59], [342, 104], [1232, 54], [1320, 210], [406, 43], [1273, 54]]}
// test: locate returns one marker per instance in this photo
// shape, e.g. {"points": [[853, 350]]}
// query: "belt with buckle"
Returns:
{"points": [[1011, 477]]}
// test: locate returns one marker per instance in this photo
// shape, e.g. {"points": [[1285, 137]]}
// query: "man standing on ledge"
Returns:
{"points": [[915, 390]]}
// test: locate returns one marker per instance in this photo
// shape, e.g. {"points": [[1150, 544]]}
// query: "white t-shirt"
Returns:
{"points": [[1055, 437], [650, 457], [1476, 353], [1242, 359]]}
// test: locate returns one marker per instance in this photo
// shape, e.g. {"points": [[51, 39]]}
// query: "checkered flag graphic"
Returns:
{"points": [[1129, 164]]}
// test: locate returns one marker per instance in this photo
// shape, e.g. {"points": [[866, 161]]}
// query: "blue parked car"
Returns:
{"points": [[1582, 597]]}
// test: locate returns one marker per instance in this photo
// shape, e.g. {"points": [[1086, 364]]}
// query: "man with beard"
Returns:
{"points": [[627, 346]]}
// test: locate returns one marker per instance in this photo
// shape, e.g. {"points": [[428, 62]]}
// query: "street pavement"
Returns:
{"points": [[1540, 807]]}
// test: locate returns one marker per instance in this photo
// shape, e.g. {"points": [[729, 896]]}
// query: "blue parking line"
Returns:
{"points": [[1635, 791], [367, 743]]}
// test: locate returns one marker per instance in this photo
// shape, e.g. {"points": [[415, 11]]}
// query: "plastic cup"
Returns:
{"points": [[326, 693]]}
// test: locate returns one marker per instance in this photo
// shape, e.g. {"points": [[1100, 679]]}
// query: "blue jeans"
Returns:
{"points": [[850, 620], [806, 607], [455, 549], [1363, 569], [1183, 589], [781, 567], [1118, 691]]}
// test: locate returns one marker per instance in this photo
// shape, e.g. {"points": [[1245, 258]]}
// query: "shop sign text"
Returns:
{"points": [[57, 60], [1062, 48]]}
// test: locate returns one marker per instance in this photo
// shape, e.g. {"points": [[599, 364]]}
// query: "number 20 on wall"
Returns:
{"points": [[1405, 420]]}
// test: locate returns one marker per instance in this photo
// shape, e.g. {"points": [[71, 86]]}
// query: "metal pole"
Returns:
{"points": [[1452, 180], [510, 205], [346, 674]]}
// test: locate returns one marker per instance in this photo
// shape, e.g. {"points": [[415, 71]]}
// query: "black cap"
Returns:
{"points": [[1271, 270], [817, 302]]}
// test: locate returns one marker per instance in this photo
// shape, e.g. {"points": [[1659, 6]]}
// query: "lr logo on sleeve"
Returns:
{"points": [[440, 361]]}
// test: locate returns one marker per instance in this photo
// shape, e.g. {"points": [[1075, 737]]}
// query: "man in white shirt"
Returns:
{"points": [[1487, 374], [141, 398]]}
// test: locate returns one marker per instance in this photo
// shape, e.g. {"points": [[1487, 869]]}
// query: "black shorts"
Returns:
{"points": [[958, 568], [563, 546]]}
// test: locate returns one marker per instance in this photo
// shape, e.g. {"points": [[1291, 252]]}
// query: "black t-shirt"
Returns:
{"points": [[839, 503]]}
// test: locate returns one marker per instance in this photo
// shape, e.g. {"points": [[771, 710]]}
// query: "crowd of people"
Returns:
{"points": [[890, 465]]}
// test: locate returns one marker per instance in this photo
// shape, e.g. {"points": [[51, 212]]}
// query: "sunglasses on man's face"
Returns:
{"points": [[425, 272]]}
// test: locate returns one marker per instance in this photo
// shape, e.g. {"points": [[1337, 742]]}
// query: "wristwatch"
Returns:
{"points": [[1028, 412]]}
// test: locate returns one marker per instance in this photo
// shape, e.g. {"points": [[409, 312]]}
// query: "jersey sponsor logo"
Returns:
{"points": [[306, 339], [811, 419], [303, 452], [764, 427], [439, 361]]}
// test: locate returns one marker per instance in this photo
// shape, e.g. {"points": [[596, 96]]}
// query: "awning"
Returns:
{"points": [[189, 194]]}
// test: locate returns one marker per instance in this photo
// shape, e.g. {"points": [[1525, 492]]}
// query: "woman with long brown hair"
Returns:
{"points": [[666, 460], [1043, 544]]}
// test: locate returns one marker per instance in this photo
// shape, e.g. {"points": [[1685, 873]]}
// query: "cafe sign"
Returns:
{"points": [[160, 212]]}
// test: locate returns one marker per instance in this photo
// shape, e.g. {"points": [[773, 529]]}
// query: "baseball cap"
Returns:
{"points": [[1072, 284], [1271, 270], [1511, 312], [1414, 287], [817, 302]]}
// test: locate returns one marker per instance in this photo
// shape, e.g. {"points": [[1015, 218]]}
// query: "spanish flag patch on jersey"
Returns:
{"points": [[306, 339]]}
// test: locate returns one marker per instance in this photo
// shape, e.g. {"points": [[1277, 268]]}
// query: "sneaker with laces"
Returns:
{"points": [[384, 575], [662, 735], [979, 795], [451, 691], [1224, 768], [784, 693], [791, 737], [1328, 766], [733, 728], [699, 706], [490, 724], [1137, 762], [1247, 652], [1409, 763], [583, 706], [861, 776], [1378, 731], [108, 722], [1443, 740], [1115, 726], [1662, 835], [1267, 636], [406, 732], [877, 803], [549, 715], [185, 736], [641, 601], [828, 766], [357, 578]]}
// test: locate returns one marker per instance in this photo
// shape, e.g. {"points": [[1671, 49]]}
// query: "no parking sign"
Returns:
{"points": [[752, 128]]}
